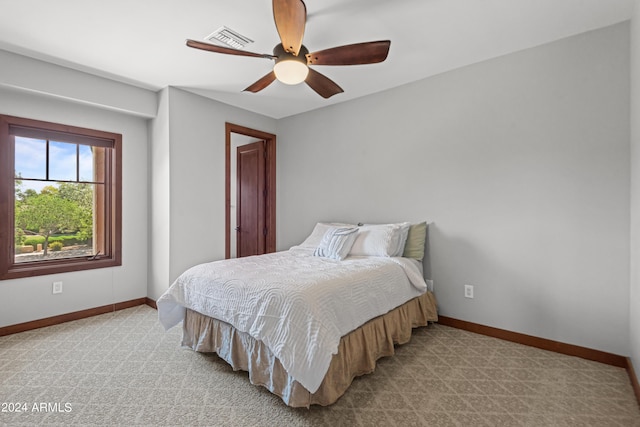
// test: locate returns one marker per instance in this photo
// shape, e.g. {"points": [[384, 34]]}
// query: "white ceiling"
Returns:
{"points": [[142, 42]]}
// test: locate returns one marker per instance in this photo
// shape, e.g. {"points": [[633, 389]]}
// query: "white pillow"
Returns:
{"points": [[318, 233], [385, 240], [402, 238], [336, 243]]}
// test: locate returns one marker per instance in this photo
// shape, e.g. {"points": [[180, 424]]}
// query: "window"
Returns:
{"points": [[60, 198]]}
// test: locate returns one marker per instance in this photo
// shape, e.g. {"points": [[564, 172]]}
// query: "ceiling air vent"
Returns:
{"points": [[229, 37]]}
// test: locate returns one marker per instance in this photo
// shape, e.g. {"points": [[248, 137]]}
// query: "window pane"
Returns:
{"points": [[62, 161], [86, 163], [55, 223], [92, 163], [31, 158]]}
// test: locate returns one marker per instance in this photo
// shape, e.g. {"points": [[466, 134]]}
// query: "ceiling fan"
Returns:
{"points": [[292, 58]]}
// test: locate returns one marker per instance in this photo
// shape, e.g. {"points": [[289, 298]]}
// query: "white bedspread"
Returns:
{"points": [[297, 304]]}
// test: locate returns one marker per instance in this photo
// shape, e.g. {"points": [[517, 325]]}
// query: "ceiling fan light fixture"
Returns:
{"points": [[291, 71]]}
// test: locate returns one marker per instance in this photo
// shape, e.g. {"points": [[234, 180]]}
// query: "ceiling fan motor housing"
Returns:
{"points": [[283, 55]]}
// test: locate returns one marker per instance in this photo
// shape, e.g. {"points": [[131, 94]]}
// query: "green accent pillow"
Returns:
{"points": [[414, 248]]}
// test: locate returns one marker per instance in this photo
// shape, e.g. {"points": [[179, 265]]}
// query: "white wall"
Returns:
{"points": [[159, 195], [196, 181], [27, 299], [46, 79], [520, 162], [634, 296]]}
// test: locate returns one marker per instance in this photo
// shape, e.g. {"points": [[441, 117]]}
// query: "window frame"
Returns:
{"points": [[112, 229]]}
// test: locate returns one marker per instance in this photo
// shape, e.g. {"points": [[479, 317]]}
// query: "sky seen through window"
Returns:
{"points": [[31, 162]]}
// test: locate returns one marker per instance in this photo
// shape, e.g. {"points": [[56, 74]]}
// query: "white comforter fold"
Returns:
{"points": [[297, 304]]}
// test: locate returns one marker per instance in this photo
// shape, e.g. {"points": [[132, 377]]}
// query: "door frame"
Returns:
{"points": [[270, 183]]}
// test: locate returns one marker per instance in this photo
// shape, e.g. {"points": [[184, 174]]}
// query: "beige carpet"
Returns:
{"points": [[123, 369]]}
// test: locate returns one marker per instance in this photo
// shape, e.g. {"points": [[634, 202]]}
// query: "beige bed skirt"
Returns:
{"points": [[357, 351]]}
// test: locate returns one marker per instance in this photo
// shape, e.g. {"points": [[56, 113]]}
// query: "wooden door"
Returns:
{"points": [[270, 184], [251, 199]]}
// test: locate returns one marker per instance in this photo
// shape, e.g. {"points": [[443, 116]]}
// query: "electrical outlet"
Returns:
{"points": [[468, 291], [57, 288]]}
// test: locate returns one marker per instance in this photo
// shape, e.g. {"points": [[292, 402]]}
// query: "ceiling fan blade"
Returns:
{"points": [[262, 83], [219, 49], [323, 85], [352, 54], [290, 17]]}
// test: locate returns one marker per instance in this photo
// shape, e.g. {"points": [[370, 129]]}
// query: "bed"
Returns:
{"points": [[305, 322]]}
